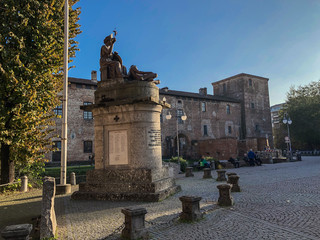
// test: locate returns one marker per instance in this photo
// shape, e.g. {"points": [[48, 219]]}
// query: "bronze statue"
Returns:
{"points": [[110, 63], [135, 74]]}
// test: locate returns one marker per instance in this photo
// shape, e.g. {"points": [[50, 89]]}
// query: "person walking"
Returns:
{"points": [[251, 157]]}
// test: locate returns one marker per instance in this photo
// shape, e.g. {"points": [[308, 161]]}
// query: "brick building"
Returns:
{"points": [[232, 120]]}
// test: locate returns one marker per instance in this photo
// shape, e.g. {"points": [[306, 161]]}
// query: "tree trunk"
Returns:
{"points": [[7, 166]]}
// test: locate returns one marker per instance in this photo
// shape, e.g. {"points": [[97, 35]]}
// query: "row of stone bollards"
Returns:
{"points": [[24, 182], [134, 223], [134, 226]]}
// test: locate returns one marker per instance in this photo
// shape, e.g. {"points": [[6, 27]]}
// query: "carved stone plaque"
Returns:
{"points": [[118, 147], [154, 138]]}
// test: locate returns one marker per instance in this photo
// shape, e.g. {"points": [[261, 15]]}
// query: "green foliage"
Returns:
{"points": [[78, 170], [34, 171], [31, 61], [183, 163], [13, 187], [303, 107]]}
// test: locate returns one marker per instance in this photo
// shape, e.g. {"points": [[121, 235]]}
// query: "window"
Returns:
{"points": [[250, 82], [257, 129], [229, 129], [205, 130], [87, 146], [203, 106], [179, 114], [224, 88], [252, 105], [228, 109], [56, 155], [161, 119], [87, 115], [179, 102], [57, 144], [79, 85], [88, 86], [58, 110]]}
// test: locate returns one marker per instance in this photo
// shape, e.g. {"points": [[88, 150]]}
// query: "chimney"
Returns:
{"points": [[203, 91], [94, 76], [165, 89]]}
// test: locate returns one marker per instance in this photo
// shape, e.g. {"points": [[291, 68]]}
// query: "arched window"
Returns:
{"points": [[228, 109]]}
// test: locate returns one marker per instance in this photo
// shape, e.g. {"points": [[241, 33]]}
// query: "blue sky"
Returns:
{"points": [[191, 44]]}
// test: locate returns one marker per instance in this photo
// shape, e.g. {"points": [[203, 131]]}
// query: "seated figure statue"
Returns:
{"points": [[110, 63], [135, 74]]}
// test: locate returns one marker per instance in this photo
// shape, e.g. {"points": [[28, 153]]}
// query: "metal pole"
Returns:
{"points": [[289, 142], [63, 174], [178, 144]]}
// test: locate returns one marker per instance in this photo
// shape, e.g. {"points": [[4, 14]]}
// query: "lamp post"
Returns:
{"points": [[183, 117], [286, 120]]}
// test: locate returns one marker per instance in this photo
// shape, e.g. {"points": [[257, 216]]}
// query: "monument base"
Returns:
{"points": [[62, 189], [143, 197], [127, 185]]}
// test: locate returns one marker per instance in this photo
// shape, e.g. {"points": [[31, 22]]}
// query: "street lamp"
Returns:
{"points": [[183, 118], [286, 120]]}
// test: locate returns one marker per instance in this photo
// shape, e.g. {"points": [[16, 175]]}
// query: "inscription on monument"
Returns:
{"points": [[118, 147], [154, 138]]}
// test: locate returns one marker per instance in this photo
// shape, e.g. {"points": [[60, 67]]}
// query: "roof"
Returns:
{"points": [[82, 81], [240, 75], [197, 95], [168, 92]]}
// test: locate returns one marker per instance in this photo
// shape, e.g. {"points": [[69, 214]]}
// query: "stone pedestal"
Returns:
{"points": [[230, 174], [190, 208], [221, 175], [62, 189], [17, 232], [233, 180], [48, 222], [207, 173], [225, 198], [128, 159], [134, 223], [73, 179], [189, 172], [24, 184]]}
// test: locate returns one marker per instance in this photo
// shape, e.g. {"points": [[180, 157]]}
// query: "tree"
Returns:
{"points": [[31, 61], [303, 107]]}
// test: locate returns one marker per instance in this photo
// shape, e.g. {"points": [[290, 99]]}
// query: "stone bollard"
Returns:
{"points": [[24, 184], [73, 180], [225, 198], [207, 173], [190, 208], [233, 180], [230, 174], [189, 172], [270, 159], [17, 232], [134, 223], [48, 222], [221, 175]]}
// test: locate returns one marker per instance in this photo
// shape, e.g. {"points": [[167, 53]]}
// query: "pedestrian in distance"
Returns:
{"points": [[251, 157]]}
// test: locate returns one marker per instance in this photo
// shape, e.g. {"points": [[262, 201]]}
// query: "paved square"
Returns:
{"points": [[279, 201]]}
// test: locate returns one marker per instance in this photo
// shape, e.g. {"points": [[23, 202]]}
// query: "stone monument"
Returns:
{"points": [[128, 160]]}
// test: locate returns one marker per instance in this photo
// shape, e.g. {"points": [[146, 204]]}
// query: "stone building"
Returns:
{"points": [[232, 120], [228, 123], [80, 123], [275, 118]]}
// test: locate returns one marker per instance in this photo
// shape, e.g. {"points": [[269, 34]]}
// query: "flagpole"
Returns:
{"points": [[64, 188]]}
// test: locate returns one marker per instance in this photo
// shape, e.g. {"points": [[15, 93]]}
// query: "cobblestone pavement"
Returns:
{"points": [[279, 201]]}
